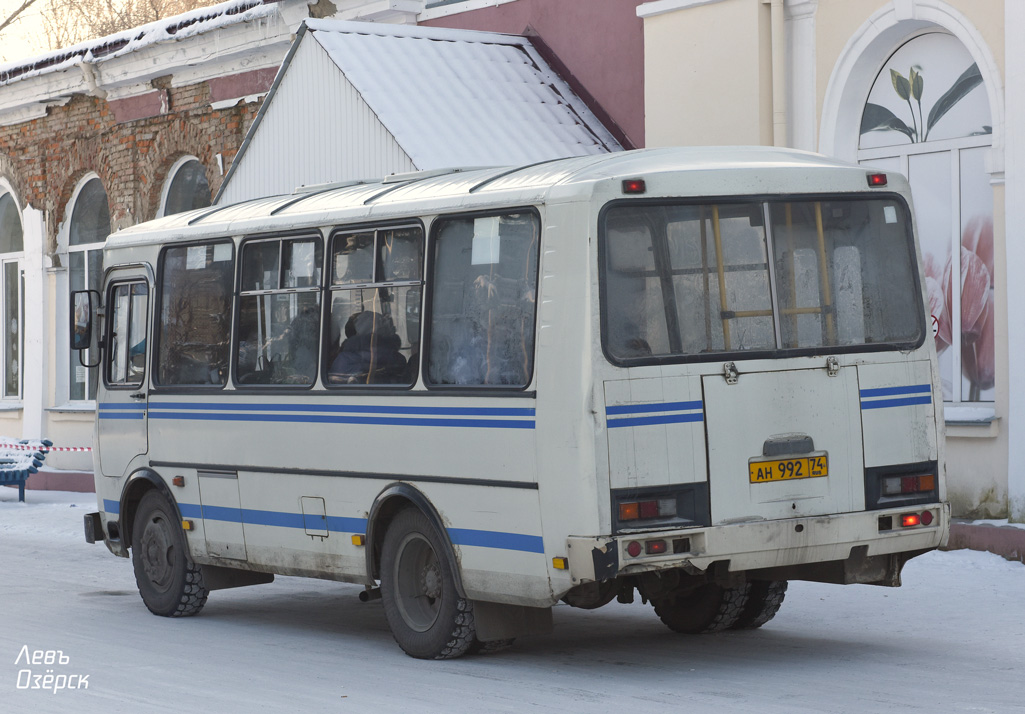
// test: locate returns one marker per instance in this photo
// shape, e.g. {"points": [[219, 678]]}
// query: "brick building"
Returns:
{"points": [[101, 136]]}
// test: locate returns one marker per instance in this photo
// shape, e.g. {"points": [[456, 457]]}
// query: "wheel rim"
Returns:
{"points": [[418, 583], [158, 553]]}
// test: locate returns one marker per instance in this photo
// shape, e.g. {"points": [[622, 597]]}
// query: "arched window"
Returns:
{"points": [[12, 294], [88, 228], [928, 117], [186, 187]]}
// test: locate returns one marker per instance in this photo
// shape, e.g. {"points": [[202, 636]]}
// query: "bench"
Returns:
{"points": [[20, 460]]}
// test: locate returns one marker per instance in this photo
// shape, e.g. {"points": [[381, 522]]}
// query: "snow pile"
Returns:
{"points": [[178, 27]]}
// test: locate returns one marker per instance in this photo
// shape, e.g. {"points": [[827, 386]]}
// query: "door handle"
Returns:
{"points": [[138, 395]]}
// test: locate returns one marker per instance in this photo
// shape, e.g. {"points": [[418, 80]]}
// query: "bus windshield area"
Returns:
{"points": [[681, 280]]}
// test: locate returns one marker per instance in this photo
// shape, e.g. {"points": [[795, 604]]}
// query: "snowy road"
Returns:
{"points": [[951, 640]]}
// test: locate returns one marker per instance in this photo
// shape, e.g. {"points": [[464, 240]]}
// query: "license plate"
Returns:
{"points": [[788, 469]]}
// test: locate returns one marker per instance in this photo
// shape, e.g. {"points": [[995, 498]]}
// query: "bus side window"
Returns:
{"points": [[194, 319], [483, 300], [279, 311], [376, 285]]}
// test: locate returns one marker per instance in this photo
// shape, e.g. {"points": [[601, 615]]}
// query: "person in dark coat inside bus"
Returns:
{"points": [[370, 353]]}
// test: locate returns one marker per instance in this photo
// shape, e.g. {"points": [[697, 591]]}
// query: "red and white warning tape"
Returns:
{"points": [[29, 447]]}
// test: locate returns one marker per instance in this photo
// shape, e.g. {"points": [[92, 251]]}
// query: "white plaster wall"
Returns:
{"points": [[703, 86], [854, 38], [707, 75], [1014, 163]]}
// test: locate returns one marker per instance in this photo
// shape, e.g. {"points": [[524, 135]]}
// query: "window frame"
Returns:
{"points": [[172, 174], [330, 289], [238, 293], [109, 331], [93, 374], [155, 386], [764, 201], [429, 294], [18, 258]]}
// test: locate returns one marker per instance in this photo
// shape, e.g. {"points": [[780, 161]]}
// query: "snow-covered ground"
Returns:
{"points": [[951, 640]]}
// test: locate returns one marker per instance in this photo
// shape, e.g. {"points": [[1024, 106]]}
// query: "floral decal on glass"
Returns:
{"points": [[928, 115]]}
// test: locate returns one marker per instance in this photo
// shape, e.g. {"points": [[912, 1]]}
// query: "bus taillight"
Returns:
{"points": [[898, 485]]}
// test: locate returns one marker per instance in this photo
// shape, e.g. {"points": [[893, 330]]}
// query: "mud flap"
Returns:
{"points": [[496, 621], [216, 577]]}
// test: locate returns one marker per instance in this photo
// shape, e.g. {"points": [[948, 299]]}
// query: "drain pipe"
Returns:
{"points": [[779, 77]]}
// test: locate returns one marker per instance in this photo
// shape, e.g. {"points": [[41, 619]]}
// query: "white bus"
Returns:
{"points": [[690, 374]]}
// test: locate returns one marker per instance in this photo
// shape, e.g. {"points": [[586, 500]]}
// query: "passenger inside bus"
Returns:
{"points": [[370, 352]]}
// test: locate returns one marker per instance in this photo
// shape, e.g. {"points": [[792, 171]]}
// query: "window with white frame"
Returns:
{"points": [[186, 187], [88, 228], [12, 295], [928, 117]]}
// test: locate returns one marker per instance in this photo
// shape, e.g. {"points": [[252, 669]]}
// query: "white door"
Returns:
{"points": [[784, 444], [122, 417]]}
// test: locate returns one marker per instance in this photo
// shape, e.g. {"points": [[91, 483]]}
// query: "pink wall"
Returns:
{"points": [[600, 42]]}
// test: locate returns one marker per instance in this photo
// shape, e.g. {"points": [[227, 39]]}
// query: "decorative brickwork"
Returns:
{"points": [[43, 159]]}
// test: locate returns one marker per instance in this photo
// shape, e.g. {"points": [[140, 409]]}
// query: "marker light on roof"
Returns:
{"points": [[877, 179], [634, 186]]}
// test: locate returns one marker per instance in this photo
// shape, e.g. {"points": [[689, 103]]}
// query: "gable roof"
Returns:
{"points": [[443, 97], [455, 97]]}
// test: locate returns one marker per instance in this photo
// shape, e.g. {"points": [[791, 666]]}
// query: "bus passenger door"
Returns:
{"points": [[121, 403]]}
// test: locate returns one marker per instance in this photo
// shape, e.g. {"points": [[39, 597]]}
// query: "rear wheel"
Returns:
{"points": [[763, 602], [708, 608], [171, 585], [426, 615]]}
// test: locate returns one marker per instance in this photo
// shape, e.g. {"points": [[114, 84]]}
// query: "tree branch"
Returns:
{"points": [[24, 6]]}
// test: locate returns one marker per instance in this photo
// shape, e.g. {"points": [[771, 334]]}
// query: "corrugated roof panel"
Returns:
{"points": [[463, 98]]}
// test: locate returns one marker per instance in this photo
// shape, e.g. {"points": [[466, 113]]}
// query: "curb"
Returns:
{"points": [[1006, 541]]}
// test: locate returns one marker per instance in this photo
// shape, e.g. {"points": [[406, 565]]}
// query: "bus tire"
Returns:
{"points": [[171, 585], [763, 603], [426, 615], [708, 608]]}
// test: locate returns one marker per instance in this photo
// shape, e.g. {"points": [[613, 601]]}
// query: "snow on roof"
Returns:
{"points": [[458, 97], [178, 27]]}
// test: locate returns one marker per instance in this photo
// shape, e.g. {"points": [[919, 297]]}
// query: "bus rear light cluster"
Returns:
{"points": [[906, 485], [907, 520], [657, 546], [655, 508]]}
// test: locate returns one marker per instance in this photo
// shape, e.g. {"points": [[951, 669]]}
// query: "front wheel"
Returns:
{"points": [[425, 613], [171, 585]]}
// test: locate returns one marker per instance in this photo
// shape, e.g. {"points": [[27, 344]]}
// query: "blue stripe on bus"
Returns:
{"points": [[349, 408], [887, 403], [893, 391], [111, 507], [108, 415], [222, 513], [340, 524], [190, 510], [662, 419], [324, 419], [123, 406], [648, 408], [497, 539]]}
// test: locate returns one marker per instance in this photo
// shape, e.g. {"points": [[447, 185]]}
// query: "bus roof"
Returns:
{"points": [[690, 171]]}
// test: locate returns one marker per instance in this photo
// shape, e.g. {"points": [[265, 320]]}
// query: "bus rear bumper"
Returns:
{"points": [[779, 549]]}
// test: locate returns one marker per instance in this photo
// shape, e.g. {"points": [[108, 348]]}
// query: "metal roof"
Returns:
{"points": [[711, 171]]}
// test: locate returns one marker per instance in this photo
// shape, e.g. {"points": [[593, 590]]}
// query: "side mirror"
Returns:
{"points": [[83, 313]]}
